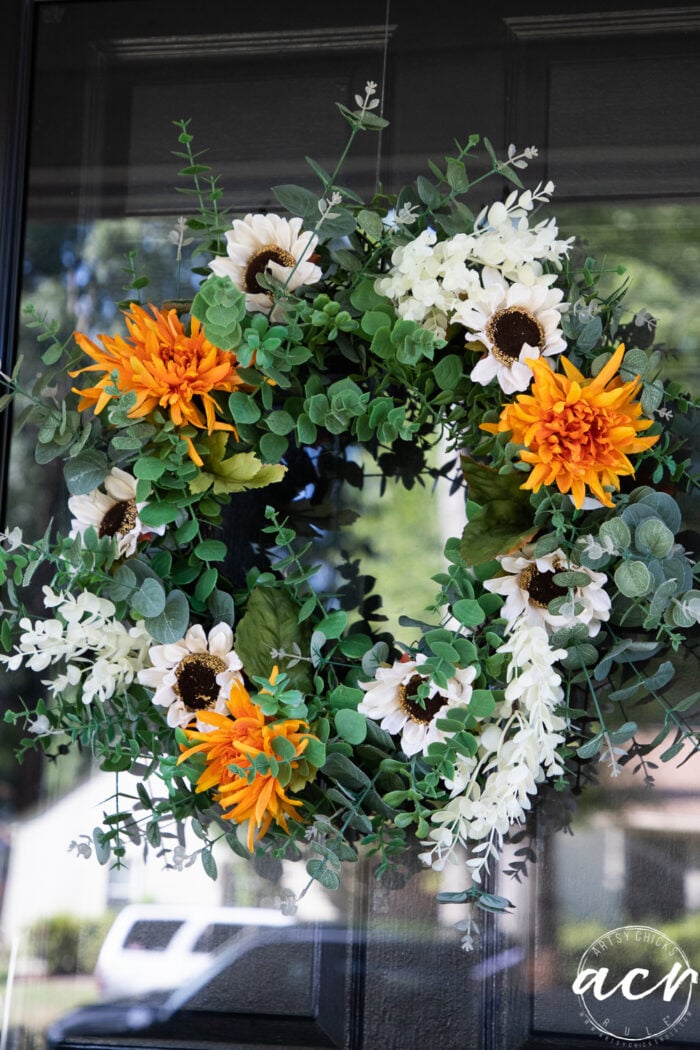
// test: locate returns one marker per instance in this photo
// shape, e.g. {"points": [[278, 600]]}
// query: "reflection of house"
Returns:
{"points": [[637, 852], [46, 878]]}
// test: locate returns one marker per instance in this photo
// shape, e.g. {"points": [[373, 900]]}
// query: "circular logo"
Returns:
{"points": [[634, 985]]}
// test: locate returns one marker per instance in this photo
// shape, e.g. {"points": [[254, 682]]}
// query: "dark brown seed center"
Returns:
{"points": [[196, 680], [540, 586], [419, 710], [119, 519], [258, 264], [510, 329]]}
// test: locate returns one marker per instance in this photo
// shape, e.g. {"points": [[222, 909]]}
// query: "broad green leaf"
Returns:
{"points": [[298, 201], [243, 407], [149, 468], [271, 622], [157, 514], [505, 518], [237, 473], [345, 772], [468, 612]]}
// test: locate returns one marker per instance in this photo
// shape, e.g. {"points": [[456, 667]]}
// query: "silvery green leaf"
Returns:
{"points": [[652, 396], [371, 223], [634, 363], [372, 659], [591, 747], [86, 471], [662, 506], [633, 579], [172, 623], [617, 531], [149, 599], [653, 537]]}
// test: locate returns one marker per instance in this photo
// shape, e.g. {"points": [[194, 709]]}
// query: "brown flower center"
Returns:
{"points": [[420, 710], [196, 680], [119, 519], [258, 264], [509, 329], [540, 586]]}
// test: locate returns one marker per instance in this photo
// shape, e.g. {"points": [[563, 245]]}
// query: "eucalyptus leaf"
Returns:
{"points": [[351, 725], [86, 471], [171, 624]]}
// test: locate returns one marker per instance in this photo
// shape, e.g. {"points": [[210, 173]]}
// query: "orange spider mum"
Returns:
{"points": [[577, 432], [258, 798], [164, 366]]}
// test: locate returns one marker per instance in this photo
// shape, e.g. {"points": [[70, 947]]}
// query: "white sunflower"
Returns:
{"points": [[113, 512], [267, 244], [392, 699], [514, 322], [528, 587], [194, 674]]}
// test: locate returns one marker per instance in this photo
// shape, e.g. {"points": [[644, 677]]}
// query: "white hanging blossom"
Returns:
{"points": [[99, 653], [514, 757]]}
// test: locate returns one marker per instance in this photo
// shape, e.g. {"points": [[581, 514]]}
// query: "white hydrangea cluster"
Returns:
{"points": [[84, 634], [430, 279], [494, 789], [505, 239]]}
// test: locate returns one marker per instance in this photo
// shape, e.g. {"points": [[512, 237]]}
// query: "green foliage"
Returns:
{"points": [[69, 945], [348, 380]]}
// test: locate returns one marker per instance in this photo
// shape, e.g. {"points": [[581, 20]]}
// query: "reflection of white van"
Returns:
{"points": [[150, 947]]}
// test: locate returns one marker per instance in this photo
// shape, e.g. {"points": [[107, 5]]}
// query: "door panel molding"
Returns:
{"points": [[249, 45], [666, 21]]}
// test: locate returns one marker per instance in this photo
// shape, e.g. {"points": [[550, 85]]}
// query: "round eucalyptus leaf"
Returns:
{"points": [[617, 532], [633, 579], [653, 537]]}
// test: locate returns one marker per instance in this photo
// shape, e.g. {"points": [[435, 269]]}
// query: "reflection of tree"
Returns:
{"points": [[73, 275], [659, 246]]}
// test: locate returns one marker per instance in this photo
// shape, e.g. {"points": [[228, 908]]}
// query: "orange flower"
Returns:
{"points": [[250, 795], [577, 432], [164, 367]]}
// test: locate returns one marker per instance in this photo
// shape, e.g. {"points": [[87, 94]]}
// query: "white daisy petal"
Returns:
{"points": [[513, 322], [267, 244], [114, 513], [194, 674], [528, 587], [392, 698]]}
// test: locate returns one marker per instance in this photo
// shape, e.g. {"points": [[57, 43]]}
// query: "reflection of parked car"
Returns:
{"points": [[287, 987], [152, 947], [265, 982]]}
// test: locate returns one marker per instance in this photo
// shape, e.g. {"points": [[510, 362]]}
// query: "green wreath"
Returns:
{"points": [[282, 718]]}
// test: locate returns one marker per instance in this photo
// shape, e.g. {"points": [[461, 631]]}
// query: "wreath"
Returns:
{"points": [[274, 712]]}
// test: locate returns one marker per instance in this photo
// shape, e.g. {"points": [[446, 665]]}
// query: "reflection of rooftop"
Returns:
{"points": [[671, 805], [680, 775]]}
